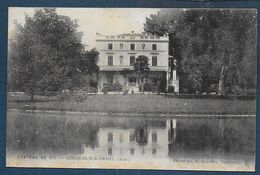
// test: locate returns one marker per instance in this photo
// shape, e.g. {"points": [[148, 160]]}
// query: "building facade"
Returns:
{"points": [[146, 142], [117, 55]]}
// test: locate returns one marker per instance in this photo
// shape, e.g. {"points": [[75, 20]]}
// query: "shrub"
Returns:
{"points": [[64, 95], [79, 96], [149, 86], [29, 107], [163, 83], [171, 89], [88, 89], [112, 87], [213, 88], [236, 90], [88, 84], [125, 90]]}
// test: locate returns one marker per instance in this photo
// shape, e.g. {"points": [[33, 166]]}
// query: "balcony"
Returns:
{"points": [[114, 68], [120, 68]]}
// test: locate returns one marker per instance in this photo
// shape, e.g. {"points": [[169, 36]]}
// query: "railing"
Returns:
{"points": [[131, 37], [119, 68]]}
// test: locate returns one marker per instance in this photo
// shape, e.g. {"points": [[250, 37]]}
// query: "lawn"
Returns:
{"points": [[156, 104]]}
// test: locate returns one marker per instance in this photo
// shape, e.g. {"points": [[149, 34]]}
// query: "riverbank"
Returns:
{"points": [[137, 104]]}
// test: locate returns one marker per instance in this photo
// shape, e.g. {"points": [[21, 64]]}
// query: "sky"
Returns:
{"points": [[109, 21]]}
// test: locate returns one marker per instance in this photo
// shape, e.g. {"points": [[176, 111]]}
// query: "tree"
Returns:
{"points": [[88, 64], [45, 52], [125, 73], [198, 40], [141, 67], [223, 74], [88, 70]]}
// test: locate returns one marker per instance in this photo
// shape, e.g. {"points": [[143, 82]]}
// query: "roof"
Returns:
{"points": [[131, 36]]}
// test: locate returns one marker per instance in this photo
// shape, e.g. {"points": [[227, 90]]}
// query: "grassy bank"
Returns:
{"points": [[136, 104]]}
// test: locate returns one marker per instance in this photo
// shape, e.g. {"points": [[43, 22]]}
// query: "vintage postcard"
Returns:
{"points": [[132, 88]]}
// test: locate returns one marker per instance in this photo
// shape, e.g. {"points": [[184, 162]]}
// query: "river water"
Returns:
{"points": [[132, 137]]}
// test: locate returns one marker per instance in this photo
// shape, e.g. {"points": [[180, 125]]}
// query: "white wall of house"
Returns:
{"points": [[121, 48], [118, 48]]}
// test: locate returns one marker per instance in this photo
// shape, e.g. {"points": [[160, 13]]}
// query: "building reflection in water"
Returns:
{"points": [[141, 140], [204, 138]]}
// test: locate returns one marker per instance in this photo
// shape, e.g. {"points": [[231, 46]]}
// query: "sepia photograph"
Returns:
{"points": [[132, 88]]}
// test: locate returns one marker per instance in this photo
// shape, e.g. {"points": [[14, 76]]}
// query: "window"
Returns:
{"points": [[110, 46], [110, 60], [132, 46], [154, 47], [154, 137], [132, 60], [109, 151], [121, 140], [132, 137], [110, 137], [154, 61], [110, 78], [121, 60]]}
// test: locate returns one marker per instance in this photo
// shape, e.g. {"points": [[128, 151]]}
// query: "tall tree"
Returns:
{"points": [[141, 67], [88, 70], [45, 52], [88, 64], [198, 40]]}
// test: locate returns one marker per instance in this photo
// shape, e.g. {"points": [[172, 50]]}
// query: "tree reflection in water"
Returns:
{"points": [[129, 136], [227, 136], [141, 133]]}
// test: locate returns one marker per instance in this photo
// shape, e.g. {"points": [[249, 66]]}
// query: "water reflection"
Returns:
{"points": [[131, 137], [139, 139]]}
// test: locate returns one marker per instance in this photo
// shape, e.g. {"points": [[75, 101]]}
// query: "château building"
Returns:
{"points": [[117, 56], [151, 140]]}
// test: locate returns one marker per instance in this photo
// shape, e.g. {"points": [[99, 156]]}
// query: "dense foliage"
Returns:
{"points": [[114, 87], [46, 54], [199, 39], [141, 67]]}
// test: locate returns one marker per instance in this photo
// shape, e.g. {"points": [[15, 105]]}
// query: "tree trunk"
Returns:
{"points": [[140, 83], [142, 87], [223, 74], [32, 96], [222, 80]]}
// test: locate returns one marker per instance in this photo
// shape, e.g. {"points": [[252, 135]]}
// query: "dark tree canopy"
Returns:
{"points": [[141, 67], [198, 40], [46, 53], [88, 64]]}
